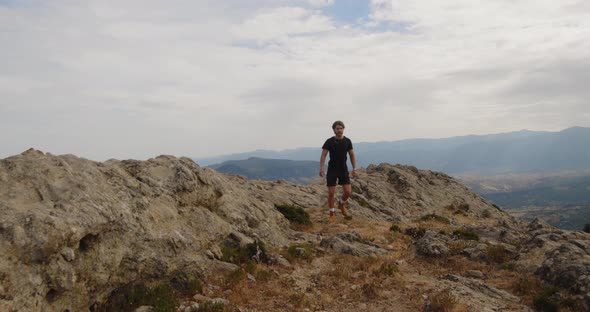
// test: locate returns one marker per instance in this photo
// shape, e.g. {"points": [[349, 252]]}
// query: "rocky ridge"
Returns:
{"points": [[74, 233]]}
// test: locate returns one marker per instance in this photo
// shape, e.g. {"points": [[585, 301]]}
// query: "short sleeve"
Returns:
{"points": [[326, 145]]}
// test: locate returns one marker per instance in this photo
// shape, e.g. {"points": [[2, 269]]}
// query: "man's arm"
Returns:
{"points": [[322, 161], [353, 162]]}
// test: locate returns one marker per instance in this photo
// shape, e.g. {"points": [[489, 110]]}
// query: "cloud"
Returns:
{"points": [[135, 79]]}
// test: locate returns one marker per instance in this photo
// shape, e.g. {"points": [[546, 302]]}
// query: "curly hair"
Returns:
{"points": [[337, 123]]}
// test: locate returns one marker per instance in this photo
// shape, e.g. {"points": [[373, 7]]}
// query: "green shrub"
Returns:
{"points": [[395, 228], [415, 232], [234, 277], [301, 251], [466, 234], [587, 228], [443, 301], [435, 217], [128, 298], [544, 300], [240, 255], [523, 286], [363, 203], [369, 291], [294, 214], [187, 284], [388, 269], [497, 253], [210, 306]]}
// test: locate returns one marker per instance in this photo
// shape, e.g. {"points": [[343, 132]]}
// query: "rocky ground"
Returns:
{"points": [[167, 235]]}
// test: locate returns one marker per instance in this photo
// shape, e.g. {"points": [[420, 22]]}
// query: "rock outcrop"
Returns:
{"points": [[73, 232]]}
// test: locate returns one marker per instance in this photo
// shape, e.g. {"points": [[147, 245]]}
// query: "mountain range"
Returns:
{"points": [[494, 154]]}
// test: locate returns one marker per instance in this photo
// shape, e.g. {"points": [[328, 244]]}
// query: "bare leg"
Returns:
{"points": [[347, 188], [331, 192]]}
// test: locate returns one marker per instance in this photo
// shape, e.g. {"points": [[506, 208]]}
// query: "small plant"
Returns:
{"points": [[211, 306], [544, 300], [369, 291], [263, 276], [395, 228], [161, 297], [443, 301], [486, 214], [234, 277], [497, 253], [434, 217], [509, 266], [240, 255], [587, 228], [387, 269], [294, 214], [187, 284], [466, 234], [523, 286], [363, 203], [297, 299], [415, 232], [496, 206], [301, 251]]}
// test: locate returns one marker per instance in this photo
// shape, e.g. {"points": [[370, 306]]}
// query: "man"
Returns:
{"points": [[338, 146]]}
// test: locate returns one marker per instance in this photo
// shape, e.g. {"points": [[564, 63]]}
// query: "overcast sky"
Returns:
{"points": [[136, 79]]}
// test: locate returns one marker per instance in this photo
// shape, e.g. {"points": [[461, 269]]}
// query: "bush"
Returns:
{"points": [[587, 228], [486, 214], [466, 234], [294, 214], [395, 228], [301, 251], [544, 300], [186, 284], [210, 306], [388, 269], [363, 203], [128, 298], [415, 232], [435, 217], [369, 291], [240, 255], [497, 253], [234, 277], [443, 301]]}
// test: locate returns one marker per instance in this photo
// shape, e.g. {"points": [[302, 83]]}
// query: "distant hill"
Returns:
{"points": [[514, 152], [271, 169], [561, 199]]}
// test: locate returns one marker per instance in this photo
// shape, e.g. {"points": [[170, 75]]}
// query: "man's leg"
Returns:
{"points": [[331, 193], [347, 190], [344, 180]]}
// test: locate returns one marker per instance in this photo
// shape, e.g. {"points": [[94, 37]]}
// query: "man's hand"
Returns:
{"points": [[322, 172], [354, 173]]}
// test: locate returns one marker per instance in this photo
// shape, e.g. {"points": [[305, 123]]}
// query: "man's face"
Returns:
{"points": [[339, 131]]}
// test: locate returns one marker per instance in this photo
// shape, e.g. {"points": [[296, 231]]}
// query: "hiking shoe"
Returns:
{"points": [[342, 207], [332, 217]]}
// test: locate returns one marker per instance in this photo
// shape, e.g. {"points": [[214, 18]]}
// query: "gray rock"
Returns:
{"points": [[432, 244], [474, 274], [351, 243], [68, 254]]}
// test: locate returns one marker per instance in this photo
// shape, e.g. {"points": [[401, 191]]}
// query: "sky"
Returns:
{"points": [[140, 78]]}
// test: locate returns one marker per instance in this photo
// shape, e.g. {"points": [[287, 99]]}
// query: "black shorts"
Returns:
{"points": [[342, 178]]}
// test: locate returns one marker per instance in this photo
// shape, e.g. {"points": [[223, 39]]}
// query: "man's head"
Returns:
{"points": [[338, 127]]}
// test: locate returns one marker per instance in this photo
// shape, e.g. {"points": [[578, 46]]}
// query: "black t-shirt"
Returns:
{"points": [[338, 150]]}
